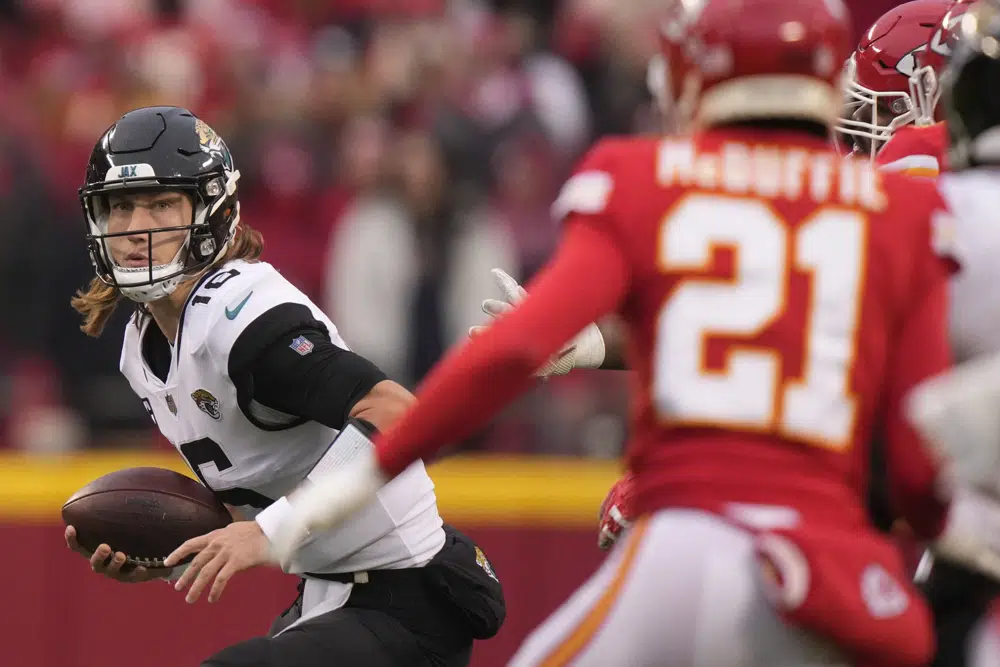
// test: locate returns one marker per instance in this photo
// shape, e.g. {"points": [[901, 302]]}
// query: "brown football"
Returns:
{"points": [[145, 513]]}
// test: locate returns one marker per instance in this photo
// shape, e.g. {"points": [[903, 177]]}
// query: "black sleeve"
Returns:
{"points": [[284, 360]]}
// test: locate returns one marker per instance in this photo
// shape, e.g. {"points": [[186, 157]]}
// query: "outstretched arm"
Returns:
{"points": [[479, 379]]}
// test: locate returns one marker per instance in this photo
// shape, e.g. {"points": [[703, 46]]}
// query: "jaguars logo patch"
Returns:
{"points": [[207, 137], [211, 143], [485, 564], [207, 403]]}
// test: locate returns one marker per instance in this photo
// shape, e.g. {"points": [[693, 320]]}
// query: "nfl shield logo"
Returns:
{"points": [[171, 405], [302, 345]]}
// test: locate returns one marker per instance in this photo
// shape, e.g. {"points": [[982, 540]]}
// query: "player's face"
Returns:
{"points": [[883, 116], [140, 213]]}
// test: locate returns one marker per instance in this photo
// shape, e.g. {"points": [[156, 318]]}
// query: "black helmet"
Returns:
{"points": [[970, 89], [153, 149]]}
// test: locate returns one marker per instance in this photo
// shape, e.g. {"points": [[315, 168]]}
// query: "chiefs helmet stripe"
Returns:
{"points": [[886, 74], [927, 164]]}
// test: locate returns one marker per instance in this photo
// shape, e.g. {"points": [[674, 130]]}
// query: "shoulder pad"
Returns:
{"points": [[590, 189]]}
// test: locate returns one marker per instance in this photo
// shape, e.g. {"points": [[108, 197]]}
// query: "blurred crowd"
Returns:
{"points": [[392, 152]]}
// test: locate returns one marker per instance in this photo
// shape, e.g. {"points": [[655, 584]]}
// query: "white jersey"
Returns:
{"points": [[975, 313], [251, 455]]}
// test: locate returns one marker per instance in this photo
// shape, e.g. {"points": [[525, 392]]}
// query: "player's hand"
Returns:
{"points": [[616, 512], [221, 554], [105, 561], [586, 350]]}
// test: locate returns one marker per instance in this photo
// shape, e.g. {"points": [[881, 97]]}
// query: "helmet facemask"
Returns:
{"points": [[925, 93], [871, 117], [204, 242], [673, 80]]}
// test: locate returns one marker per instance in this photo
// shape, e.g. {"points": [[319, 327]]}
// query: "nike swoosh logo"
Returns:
{"points": [[232, 313]]}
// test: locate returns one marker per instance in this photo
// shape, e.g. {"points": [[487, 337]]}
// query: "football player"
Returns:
{"points": [[884, 100], [912, 139], [970, 108], [892, 90], [253, 385], [913, 142], [959, 596], [920, 148], [880, 99], [780, 302]]}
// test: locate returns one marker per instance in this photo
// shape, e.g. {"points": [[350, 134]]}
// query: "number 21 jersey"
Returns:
{"points": [[783, 301]]}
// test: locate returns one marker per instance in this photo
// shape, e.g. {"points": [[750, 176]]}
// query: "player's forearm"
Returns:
{"points": [[475, 382], [383, 405], [447, 411]]}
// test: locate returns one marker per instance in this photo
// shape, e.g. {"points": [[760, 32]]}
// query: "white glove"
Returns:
{"points": [[958, 414], [972, 534], [586, 350], [324, 502]]}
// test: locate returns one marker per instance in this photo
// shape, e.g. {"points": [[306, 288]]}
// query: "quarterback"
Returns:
{"points": [[253, 385]]}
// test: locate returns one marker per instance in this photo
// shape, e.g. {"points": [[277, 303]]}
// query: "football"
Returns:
{"points": [[145, 513]]}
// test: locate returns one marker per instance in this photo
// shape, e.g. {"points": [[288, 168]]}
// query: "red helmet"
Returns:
{"points": [[878, 73], [931, 61], [733, 60]]}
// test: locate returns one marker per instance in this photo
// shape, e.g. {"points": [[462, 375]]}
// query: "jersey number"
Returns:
{"points": [[750, 392], [215, 282], [205, 452]]}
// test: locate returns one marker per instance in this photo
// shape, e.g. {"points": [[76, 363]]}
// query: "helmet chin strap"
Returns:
{"points": [[150, 293], [156, 289]]}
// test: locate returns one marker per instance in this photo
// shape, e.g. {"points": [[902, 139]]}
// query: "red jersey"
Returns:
{"points": [[780, 302], [772, 286], [916, 150]]}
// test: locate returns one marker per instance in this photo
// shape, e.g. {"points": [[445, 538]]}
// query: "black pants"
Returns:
{"points": [[419, 617], [382, 625], [959, 599], [346, 637]]}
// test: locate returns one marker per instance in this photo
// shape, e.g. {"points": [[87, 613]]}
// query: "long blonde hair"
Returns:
{"points": [[99, 301]]}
